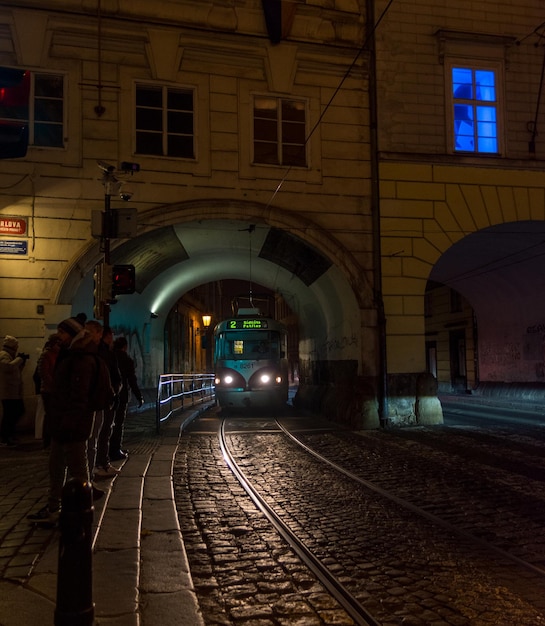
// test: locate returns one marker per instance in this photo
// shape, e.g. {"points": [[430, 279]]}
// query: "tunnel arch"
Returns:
{"points": [[309, 231], [185, 245]]}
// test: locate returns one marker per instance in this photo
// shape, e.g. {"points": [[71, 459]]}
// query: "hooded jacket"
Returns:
{"points": [[11, 380], [71, 418]]}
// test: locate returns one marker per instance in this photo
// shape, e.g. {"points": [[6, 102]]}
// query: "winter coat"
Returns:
{"points": [[128, 377], [46, 368], [11, 379], [74, 380], [110, 357]]}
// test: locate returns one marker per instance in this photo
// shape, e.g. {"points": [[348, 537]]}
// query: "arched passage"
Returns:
{"points": [[313, 273], [500, 271]]}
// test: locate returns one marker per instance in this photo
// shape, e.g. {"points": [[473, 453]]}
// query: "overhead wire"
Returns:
{"points": [[332, 98], [497, 264]]}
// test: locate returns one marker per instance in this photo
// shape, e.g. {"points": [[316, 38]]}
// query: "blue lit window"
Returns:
{"points": [[475, 108]]}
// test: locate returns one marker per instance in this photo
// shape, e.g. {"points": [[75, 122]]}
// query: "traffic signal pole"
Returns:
{"points": [[107, 250], [105, 290]]}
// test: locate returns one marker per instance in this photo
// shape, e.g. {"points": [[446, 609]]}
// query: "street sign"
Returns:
{"points": [[16, 246], [11, 225]]}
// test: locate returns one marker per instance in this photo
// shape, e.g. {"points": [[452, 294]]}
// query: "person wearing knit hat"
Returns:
{"points": [[70, 327], [70, 416], [11, 388]]}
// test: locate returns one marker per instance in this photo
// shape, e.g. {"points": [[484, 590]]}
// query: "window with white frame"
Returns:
{"points": [[279, 131], [165, 121], [474, 109], [38, 102]]}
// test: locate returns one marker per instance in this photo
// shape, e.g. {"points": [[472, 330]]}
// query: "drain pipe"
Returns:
{"points": [[382, 391]]}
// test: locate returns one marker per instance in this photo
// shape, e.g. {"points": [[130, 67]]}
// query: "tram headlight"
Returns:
{"points": [[228, 380], [278, 380], [265, 378]]}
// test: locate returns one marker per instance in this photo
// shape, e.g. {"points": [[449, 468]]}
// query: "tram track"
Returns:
{"points": [[489, 489], [435, 519], [386, 555], [348, 601], [447, 542]]}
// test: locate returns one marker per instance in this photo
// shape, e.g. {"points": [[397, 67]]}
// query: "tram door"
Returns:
{"points": [[458, 370]]}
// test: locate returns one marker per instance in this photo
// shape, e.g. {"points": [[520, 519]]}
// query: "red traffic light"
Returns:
{"points": [[123, 279], [14, 98]]}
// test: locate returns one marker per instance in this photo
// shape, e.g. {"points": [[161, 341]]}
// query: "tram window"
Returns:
{"points": [[249, 345]]}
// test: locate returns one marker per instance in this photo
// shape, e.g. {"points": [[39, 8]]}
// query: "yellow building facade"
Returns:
{"points": [[305, 150]]}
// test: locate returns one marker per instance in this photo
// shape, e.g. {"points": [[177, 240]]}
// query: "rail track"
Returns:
{"points": [[388, 551], [332, 583]]}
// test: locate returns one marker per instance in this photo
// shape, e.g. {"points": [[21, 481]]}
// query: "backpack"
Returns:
{"points": [[102, 395], [37, 379]]}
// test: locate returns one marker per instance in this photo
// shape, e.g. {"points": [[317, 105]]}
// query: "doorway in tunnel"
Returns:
{"points": [[451, 345]]}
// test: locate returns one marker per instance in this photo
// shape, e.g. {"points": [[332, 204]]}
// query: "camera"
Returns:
{"points": [[127, 166], [24, 356], [106, 167]]}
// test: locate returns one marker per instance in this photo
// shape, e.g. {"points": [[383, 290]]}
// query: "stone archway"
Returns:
{"points": [[187, 244]]}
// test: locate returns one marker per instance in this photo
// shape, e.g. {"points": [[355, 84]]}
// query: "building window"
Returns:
{"points": [[38, 102], [164, 121], [279, 131], [475, 110], [48, 108]]}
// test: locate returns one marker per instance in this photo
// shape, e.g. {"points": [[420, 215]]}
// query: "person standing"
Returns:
{"points": [[129, 383], [11, 389], [45, 369], [99, 444], [71, 416]]}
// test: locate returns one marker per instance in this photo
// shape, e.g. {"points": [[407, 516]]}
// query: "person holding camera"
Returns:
{"points": [[11, 388]]}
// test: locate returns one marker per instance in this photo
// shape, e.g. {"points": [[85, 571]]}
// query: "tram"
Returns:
{"points": [[251, 368]]}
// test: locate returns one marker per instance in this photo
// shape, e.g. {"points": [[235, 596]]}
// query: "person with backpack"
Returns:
{"points": [[71, 414]]}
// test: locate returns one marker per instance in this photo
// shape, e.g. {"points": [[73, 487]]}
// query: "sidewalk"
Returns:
{"points": [[140, 571]]}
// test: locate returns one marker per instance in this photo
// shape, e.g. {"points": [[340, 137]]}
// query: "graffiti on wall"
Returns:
{"points": [[496, 354], [135, 350], [338, 344]]}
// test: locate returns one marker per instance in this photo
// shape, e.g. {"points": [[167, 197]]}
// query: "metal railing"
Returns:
{"points": [[176, 392]]}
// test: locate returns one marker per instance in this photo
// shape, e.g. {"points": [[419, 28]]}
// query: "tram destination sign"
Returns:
{"points": [[247, 323]]}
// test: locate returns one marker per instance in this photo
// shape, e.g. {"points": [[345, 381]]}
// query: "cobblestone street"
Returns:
{"points": [[244, 573]]}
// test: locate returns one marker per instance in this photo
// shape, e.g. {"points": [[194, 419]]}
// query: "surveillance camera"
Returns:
{"points": [[127, 166], [126, 195], [106, 167]]}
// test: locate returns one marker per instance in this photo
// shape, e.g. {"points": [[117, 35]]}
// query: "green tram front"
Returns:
{"points": [[251, 369]]}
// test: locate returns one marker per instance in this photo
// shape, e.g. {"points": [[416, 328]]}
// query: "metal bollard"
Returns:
{"points": [[75, 605]]}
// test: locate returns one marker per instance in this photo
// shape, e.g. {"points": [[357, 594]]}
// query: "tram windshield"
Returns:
{"points": [[257, 344]]}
